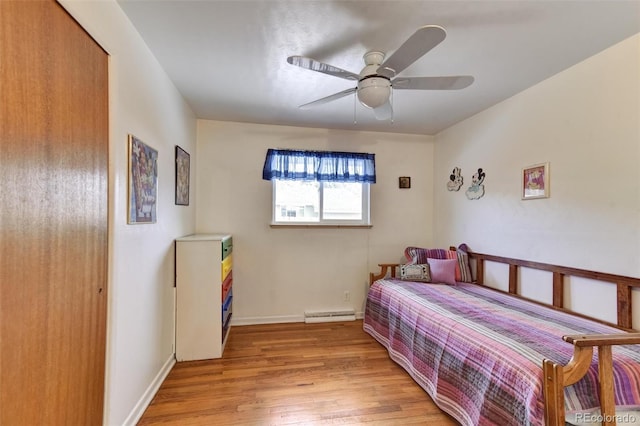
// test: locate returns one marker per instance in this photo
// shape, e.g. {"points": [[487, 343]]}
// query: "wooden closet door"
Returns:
{"points": [[53, 217]]}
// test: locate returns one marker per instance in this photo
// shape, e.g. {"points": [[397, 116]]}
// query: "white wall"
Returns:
{"points": [[279, 273], [141, 266], [586, 122]]}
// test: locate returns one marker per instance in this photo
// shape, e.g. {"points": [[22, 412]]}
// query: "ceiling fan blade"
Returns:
{"points": [[433, 83], [422, 41], [329, 98], [384, 111], [313, 65]]}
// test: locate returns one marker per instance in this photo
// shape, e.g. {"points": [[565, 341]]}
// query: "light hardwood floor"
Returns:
{"points": [[294, 374]]}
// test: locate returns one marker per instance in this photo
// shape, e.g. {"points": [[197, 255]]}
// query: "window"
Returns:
{"points": [[320, 202], [320, 188]]}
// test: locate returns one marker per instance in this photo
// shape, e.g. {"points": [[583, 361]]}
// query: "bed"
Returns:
{"points": [[492, 357]]}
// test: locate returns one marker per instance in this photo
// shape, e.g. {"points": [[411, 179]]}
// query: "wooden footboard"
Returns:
{"points": [[556, 376]]}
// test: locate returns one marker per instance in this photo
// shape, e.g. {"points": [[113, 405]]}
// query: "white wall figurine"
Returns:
{"points": [[455, 180], [476, 190]]}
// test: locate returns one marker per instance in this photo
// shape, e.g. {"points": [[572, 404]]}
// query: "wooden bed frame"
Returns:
{"points": [[557, 376]]}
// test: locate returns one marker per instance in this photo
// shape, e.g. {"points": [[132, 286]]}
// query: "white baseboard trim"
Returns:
{"points": [[274, 319], [137, 412], [266, 320]]}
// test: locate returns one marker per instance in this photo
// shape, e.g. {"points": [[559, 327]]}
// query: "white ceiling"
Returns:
{"points": [[228, 58]]}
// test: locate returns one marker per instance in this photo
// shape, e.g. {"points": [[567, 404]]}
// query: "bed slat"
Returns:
{"points": [[513, 279], [625, 314], [558, 289]]}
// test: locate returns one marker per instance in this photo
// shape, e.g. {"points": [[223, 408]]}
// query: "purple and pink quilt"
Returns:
{"points": [[478, 353]]}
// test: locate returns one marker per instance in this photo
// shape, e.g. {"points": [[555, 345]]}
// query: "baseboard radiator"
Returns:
{"points": [[329, 316]]}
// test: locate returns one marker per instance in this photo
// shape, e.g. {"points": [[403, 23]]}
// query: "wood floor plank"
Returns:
{"points": [[294, 374]]}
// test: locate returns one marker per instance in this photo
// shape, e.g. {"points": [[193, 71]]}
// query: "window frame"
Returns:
{"points": [[365, 221]]}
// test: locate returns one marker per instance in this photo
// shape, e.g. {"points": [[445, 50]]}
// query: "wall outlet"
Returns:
{"points": [[347, 296]]}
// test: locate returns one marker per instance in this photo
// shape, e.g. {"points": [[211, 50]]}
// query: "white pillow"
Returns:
{"points": [[415, 272]]}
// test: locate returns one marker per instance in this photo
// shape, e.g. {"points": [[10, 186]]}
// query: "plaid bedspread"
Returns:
{"points": [[478, 353]]}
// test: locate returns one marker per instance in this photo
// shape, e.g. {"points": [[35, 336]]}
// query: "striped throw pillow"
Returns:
{"points": [[419, 255]]}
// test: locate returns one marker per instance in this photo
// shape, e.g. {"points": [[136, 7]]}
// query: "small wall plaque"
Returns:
{"points": [[404, 182]]}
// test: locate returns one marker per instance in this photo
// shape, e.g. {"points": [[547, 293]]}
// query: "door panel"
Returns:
{"points": [[53, 217]]}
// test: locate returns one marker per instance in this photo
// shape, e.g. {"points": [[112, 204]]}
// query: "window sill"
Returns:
{"points": [[305, 225]]}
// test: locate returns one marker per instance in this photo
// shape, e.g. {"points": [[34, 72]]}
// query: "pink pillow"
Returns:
{"points": [[443, 270]]}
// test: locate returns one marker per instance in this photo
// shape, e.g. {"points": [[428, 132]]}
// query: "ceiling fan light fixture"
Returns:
{"points": [[374, 91]]}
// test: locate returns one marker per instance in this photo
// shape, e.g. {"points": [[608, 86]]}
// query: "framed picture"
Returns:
{"points": [[404, 182], [143, 182], [535, 181], [183, 160]]}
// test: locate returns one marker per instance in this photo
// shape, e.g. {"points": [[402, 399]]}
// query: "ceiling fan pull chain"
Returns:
{"points": [[354, 109]]}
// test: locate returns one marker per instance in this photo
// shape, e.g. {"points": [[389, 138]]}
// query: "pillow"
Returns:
{"points": [[418, 255], [443, 270], [414, 272], [463, 262]]}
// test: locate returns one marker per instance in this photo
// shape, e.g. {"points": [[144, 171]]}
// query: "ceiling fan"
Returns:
{"points": [[379, 76]]}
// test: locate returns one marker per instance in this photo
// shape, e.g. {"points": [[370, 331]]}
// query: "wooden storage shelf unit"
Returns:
{"points": [[204, 295]]}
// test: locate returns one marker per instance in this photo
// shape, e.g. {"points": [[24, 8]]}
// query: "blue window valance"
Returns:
{"points": [[327, 166]]}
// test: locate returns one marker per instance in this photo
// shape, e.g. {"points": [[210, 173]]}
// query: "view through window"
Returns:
{"points": [[316, 202]]}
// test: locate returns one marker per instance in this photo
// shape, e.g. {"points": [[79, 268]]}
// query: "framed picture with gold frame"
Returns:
{"points": [[535, 181], [142, 182]]}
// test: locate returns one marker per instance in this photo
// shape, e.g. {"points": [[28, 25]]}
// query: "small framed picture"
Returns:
{"points": [[404, 182], [183, 160], [535, 181], [143, 182]]}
